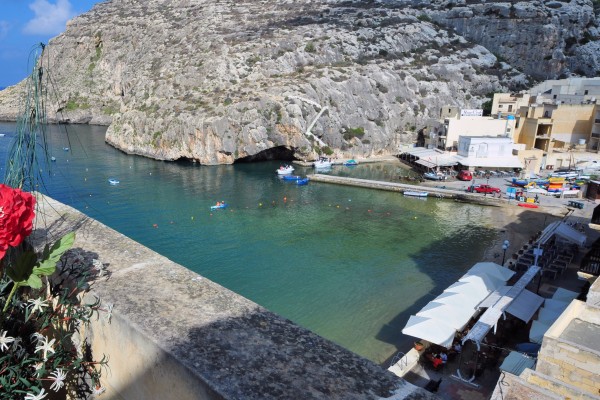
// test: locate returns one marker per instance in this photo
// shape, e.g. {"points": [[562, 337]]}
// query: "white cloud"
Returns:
{"points": [[4, 27], [50, 18]]}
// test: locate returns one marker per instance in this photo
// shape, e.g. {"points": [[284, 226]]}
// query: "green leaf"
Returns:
{"points": [[34, 282], [51, 256], [22, 267]]}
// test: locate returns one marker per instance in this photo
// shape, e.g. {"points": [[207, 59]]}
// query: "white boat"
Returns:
{"points": [[322, 163], [415, 193], [113, 181], [285, 170]]}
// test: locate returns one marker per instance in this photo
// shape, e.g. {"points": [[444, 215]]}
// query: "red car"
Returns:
{"points": [[484, 189]]}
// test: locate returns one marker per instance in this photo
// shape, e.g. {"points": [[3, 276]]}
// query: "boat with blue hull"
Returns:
{"points": [[413, 193], [291, 177], [219, 206], [302, 182]]}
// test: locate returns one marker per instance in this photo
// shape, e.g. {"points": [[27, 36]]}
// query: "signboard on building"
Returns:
{"points": [[475, 112]]}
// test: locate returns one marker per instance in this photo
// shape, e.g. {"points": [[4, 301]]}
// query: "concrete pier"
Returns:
{"points": [[442, 193]]}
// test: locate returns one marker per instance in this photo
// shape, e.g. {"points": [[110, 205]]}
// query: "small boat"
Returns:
{"points": [[434, 176], [291, 177], [415, 193], [285, 170], [528, 205], [52, 158], [65, 148], [322, 163], [301, 182], [219, 206], [113, 181], [351, 163], [2, 134]]}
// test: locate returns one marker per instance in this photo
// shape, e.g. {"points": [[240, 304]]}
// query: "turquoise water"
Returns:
{"points": [[350, 264]]}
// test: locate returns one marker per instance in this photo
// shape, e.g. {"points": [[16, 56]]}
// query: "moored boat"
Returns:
{"points": [[285, 170], [113, 181], [415, 193], [291, 177], [303, 181], [351, 163], [322, 163]]}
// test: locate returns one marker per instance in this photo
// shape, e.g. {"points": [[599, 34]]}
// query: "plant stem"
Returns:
{"points": [[9, 298]]}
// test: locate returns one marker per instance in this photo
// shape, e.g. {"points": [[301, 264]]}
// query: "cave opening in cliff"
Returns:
{"points": [[279, 153]]}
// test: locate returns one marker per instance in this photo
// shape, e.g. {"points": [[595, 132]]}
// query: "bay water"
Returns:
{"points": [[350, 264]]}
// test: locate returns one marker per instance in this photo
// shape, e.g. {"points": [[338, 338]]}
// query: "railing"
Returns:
{"points": [[398, 358]]}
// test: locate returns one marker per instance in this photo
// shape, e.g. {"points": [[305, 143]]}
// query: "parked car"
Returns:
{"points": [[483, 189], [465, 175]]}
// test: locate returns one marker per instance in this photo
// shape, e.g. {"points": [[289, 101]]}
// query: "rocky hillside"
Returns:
{"points": [[218, 81]]}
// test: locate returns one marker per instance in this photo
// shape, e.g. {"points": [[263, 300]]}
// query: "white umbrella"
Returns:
{"points": [[454, 316], [429, 329], [491, 269]]}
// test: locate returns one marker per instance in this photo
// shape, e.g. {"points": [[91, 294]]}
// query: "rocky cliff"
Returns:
{"points": [[218, 81]]}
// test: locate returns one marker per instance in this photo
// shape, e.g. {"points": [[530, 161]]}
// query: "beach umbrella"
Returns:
{"points": [[429, 329], [491, 269], [454, 316]]}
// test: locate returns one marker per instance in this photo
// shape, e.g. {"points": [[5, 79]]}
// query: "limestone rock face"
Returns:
{"points": [[217, 81]]}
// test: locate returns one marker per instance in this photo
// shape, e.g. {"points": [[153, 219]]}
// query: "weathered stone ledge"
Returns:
{"points": [[177, 335]]}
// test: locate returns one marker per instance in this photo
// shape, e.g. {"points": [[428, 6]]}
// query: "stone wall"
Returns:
{"points": [[176, 335]]}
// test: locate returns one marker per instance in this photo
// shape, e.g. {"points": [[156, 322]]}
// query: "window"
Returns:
{"points": [[554, 97], [500, 105], [586, 92], [510, 108]]}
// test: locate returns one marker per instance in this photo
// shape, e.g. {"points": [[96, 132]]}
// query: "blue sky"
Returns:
{"points": [[25, 23]]}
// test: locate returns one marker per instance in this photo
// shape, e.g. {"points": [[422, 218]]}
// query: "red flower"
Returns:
{"points": [[16, 217]]}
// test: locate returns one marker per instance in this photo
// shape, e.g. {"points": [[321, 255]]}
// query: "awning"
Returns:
{"points": [[537, 331], [488, 283], [454, 316], [491, 162], [515, 363], [429, 329], [525, 305], [564, 295]]}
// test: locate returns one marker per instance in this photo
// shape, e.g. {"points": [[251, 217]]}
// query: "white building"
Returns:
{"points": [[487, 152], [465, 123]]}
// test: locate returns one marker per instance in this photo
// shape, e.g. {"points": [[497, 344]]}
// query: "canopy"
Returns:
{"points": [[515, 363], [492, 269], [454, 316], [525, 305], [429, 329], [537, 331], [564, 295]]}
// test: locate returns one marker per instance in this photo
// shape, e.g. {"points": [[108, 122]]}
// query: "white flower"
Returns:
{"points": [[37, 337], [109, 310], [99, 389], [5, 340], [39, 369], [39, 396], [45, 346], [38, 305], [58, 378]]}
